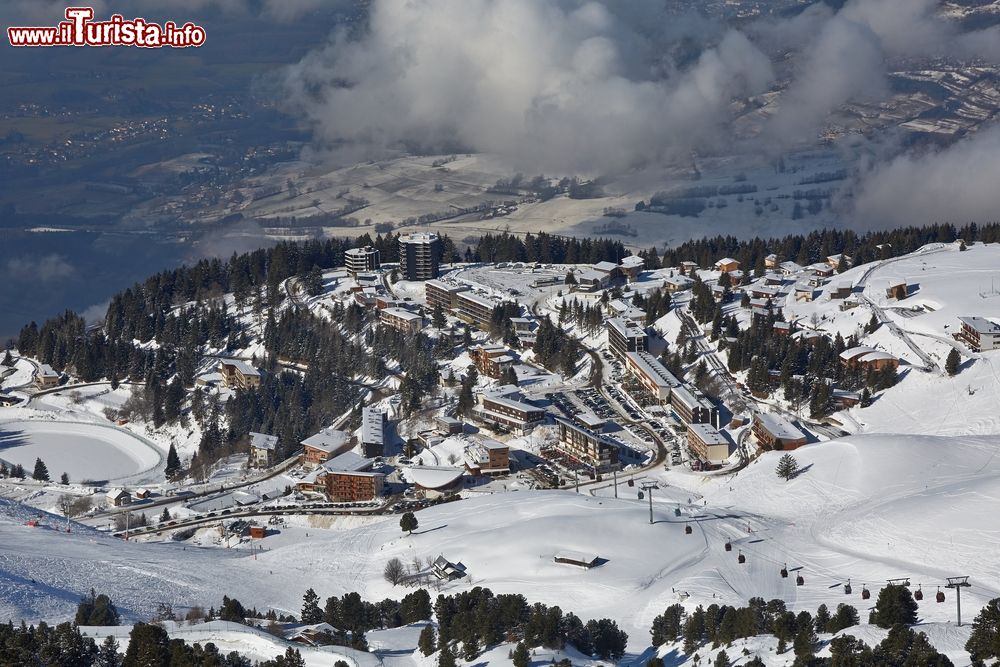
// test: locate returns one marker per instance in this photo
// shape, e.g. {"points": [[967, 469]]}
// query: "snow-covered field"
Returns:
{"points": [[83, 451], [866, 508]]}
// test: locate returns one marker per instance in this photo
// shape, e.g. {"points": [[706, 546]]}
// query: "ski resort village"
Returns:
{"points": [[402, 450]]}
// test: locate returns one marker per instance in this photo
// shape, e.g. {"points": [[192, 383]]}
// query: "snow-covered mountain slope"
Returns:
{"points": [[866, 508]]}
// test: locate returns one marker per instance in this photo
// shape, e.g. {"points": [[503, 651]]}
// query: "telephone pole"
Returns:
{"points": [[958, 583], [648, 487]]}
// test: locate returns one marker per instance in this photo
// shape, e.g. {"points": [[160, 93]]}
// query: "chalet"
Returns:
{"points": [[843, 398], [719, 292], [401, 320], [258, 532], [979, 334], [771, 261], [373, 432], [816, 281], [783, 328], [119, 497], [677, 283], [688, 268], [653, 375], [759, 314], [589, 448], [142, 494], [841, 291], [446, 570], [238, 374], [487, 457], [586, 561], [835, 261], [522, 325], [897, 289], [727, 264], [776, 432], [763, 304], [610, 269], [322, 446], [632, 266], [590, 280], [319, 634], [807, 336], [625, 336], [804, 293], [773, 279], [868, 358], [789, 268], [822, 270], [707, 443], [46, 377], [262, 450], [504, 406], [763, 292]]}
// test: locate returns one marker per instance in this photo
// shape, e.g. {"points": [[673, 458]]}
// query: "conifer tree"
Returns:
{"points": [[787, 467], [426, 643], [952, 363], [173, 462], [41, 472]]}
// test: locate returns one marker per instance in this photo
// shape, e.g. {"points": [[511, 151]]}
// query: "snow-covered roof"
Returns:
{"points": [[327, 440], [117, 493], [263, 441], [576, 557], [605, 267], [779, 427], [853, 352], [401, 313], [726, 260], [633, 261], [348, 462], [372, 425], [241, 366], [708, 434], [877, 355], [651, 367], [47, 371], [434, 477], [981, 324]]}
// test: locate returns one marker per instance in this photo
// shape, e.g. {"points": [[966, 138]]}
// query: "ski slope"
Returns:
{"points": [[865, 508]]}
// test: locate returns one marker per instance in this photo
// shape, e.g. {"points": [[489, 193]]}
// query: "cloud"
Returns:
{"points": [[550, 84], [955, 184], [39, 268]]}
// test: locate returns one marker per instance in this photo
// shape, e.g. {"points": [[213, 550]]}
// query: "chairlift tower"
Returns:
{"points": [[648, 487], [958, 583]]}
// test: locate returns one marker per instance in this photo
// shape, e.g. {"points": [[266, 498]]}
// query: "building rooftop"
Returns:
{"points": [[981, 325], [433, 477], [633, 261], [372, 425], [241, 366], [779, 427], [653, 369], [708, 434], [605, 267], [419, 237], [348, 462], [263, 441], [401, 313], [853, 352], [327, 440], [626, 328]]}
